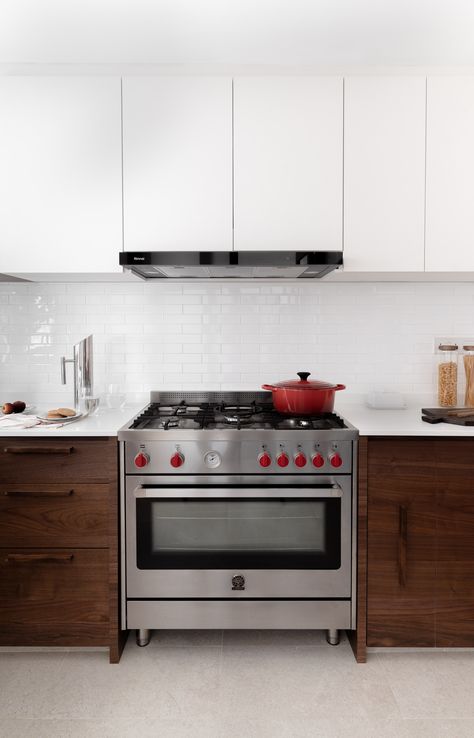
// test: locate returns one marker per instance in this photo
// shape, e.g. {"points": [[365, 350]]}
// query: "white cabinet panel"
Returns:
{"points": [[177, 157], [288, 163], [384, 173], [60, 174], [450, 174]]}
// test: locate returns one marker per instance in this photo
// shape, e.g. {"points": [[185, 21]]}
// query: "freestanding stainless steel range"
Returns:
{"points": [[235, 516]]}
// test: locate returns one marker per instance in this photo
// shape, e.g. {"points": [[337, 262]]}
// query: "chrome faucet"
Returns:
{"points": [[83, 369]]}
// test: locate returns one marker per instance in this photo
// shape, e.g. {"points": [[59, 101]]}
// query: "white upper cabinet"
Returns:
{"points": [[450, 174], [177, 163], [288, 163], [384, 173], [60, 174]]}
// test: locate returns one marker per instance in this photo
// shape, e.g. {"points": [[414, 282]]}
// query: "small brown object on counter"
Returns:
{"points": [[447, 375], [66, 412], [18, 406], [7, 408], [468, 360], [447, 383], [61, 412]]}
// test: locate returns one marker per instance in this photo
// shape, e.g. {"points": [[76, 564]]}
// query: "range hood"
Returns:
{"points": [[231, 264]]}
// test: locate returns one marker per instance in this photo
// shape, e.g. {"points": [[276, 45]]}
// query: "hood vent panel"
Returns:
{"points": [[231, 265]]}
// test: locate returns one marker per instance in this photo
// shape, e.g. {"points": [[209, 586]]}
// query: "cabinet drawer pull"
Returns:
{"points": [[38, 492], [63, 450], [402, 545], [40, 558]]}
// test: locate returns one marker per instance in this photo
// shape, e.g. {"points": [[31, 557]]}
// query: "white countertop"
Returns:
{"points": [[403, 422], [105, 422], [369, 422]]}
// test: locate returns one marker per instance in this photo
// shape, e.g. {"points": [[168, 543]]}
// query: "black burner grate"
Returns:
{"points": [[255, 415]]}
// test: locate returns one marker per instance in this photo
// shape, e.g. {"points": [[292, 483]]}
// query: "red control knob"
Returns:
{"points": [[282, 459], [300, 459], [177, 460], [264, 459], [141, 459], [335, 460], [318, 461]]}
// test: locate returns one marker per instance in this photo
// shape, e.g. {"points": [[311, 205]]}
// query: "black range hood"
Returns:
{"points": [[231, 264]]}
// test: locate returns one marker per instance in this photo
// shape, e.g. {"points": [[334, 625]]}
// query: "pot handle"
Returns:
{"points": [[303, 376], [339, 387], [268, 387]]}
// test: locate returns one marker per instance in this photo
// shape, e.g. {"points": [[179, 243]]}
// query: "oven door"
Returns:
{"points": [[238, 540]]}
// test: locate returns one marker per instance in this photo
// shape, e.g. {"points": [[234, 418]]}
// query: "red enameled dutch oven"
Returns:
{"points": [[300, 397]]}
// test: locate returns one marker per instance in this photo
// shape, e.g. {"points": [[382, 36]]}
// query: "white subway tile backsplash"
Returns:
{"points": [[222, 336]]}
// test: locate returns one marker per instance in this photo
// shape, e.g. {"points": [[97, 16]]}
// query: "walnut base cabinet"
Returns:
{"points": [[59, 540], [420, 542]]}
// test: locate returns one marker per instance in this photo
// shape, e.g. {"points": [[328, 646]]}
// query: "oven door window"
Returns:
{"points": [[296, 533]]}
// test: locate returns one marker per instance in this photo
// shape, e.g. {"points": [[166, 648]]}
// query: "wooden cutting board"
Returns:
{"points": [[448, 415]]}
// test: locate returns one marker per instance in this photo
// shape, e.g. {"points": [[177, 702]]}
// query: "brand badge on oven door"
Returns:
{"points": [[238, 581]]}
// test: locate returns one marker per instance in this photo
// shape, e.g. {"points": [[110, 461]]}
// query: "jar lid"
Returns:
{"points": [[448, 347], [468, 348]]}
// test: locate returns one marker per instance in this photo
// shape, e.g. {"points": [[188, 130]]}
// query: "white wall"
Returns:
{"points": [[237, 336], [247, 32]]}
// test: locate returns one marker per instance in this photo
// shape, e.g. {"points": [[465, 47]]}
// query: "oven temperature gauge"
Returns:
{"points": [[212, 460]]}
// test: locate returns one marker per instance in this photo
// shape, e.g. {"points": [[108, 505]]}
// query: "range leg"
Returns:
{"points": [[332, 636], [143, 637]]}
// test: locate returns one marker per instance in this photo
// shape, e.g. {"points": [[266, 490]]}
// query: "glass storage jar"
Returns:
{"points": [[468, 361], [448, 374]]}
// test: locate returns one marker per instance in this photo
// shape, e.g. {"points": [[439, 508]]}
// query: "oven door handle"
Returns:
{"points": [[323, 491]]}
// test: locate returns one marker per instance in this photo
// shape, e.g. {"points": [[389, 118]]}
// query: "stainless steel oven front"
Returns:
{"points": [[238, 537]]}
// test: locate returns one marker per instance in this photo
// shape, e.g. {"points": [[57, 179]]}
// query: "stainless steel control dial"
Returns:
{"points": [[212, 460]]}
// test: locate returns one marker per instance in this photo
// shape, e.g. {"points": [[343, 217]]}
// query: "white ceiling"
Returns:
{"points": [[258, 32]]}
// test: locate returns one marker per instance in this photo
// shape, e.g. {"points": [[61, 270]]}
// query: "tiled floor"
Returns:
{"points": [[238, 684]]}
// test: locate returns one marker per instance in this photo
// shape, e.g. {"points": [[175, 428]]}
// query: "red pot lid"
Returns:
{"points": [[303, 384]]}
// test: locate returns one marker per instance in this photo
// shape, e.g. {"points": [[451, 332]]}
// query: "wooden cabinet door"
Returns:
{"points": [[177, 163], [54, 597], [455, 543], [449, 174], [401, 543], [384, 173], [60, 174], [288, 148]]}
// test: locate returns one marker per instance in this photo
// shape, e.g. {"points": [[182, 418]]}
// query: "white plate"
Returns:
{"points": [[29, 410], [45, 419]]}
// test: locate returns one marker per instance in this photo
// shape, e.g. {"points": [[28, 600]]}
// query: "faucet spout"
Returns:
{"points": [[83, 369]]}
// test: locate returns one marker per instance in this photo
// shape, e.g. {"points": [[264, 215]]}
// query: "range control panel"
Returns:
{"points": [[246, 457]]}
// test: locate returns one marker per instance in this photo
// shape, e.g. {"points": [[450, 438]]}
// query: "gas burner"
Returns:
{"points": [[178, 410], [170, 423], [239, 410], [329, 421], [167, 417], [295, 424], [224, 421], [234, 418], [248, 423]]}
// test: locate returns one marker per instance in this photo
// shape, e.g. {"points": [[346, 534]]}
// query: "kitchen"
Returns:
{"points": [[234, 220]]}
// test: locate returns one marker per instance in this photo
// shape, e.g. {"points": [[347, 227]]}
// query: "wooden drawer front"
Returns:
{"points": [[70, 515], [58, 592], [58, 460]]}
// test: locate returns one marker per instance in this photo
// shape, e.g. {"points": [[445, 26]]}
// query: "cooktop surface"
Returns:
{"points": [[223, 416]]}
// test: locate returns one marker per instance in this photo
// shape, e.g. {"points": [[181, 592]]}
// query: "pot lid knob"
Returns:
{"points": [[303, 376]]}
